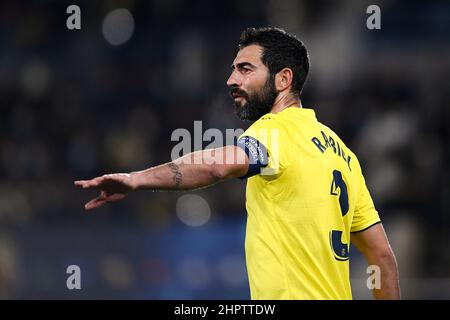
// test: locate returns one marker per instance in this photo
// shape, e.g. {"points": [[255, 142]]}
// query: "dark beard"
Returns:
{"points": [[259, 103]]}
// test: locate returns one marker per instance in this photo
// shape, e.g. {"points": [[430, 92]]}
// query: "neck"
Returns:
{"points": [[284, 101]]}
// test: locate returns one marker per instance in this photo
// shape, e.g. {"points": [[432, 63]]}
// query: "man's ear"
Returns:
{"points": [[283, 79]]}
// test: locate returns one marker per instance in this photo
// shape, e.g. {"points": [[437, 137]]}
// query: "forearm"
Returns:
{"points": [[195, 170], [389, 288]]}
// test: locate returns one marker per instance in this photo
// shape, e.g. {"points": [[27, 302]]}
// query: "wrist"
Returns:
{"points": [[135, 181]]}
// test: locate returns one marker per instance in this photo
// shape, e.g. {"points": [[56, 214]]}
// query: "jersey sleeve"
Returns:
{"points": [[365, 214], [261, 143]]}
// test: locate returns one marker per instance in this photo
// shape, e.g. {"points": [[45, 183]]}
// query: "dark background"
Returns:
{"points": [[74, 105]]}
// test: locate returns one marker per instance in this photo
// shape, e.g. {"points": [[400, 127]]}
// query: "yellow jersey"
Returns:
{"points": [[305, 195]]}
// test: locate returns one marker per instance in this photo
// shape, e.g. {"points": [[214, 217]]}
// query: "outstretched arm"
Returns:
{"points": [[375, 247], [192, 171]]}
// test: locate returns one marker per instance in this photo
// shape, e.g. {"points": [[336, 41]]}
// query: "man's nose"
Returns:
{"points": [[233, 80]]}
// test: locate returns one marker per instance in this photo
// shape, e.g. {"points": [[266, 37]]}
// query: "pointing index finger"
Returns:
{"points": [[88, 183]]}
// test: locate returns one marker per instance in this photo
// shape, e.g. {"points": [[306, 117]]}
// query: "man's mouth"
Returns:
{"points": [[236, 95]]}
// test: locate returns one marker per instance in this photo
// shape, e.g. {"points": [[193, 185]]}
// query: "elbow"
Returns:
{"points": [[223, 172], [384, 255], [218, 172], [232, 163]]}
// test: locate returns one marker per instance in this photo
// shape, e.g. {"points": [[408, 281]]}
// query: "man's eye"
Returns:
{"points": [[246, 70]]}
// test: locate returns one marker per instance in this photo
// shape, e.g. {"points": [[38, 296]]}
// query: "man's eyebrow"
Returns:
{"points": [[243, 65]]}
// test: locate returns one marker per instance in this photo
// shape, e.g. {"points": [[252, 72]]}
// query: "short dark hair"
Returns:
{"points": [[280, 50]]}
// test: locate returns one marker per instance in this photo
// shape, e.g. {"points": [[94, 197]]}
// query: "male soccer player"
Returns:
{"points": [[306, 196]]}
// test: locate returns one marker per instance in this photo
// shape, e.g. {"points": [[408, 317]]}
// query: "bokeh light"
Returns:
{"points": [[193, 210], [118, 26]]}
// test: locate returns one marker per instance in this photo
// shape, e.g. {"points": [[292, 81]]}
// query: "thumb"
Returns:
{"points": [[96, 202], [102, 199]]}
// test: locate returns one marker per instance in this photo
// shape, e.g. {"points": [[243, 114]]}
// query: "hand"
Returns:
{"points": [[113, 187]]}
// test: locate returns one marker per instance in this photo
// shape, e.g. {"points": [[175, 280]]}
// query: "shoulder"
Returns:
{"points": [[267, 123]]}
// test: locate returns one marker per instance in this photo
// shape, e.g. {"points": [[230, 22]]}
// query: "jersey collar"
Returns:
{"points": [[307, 112]]}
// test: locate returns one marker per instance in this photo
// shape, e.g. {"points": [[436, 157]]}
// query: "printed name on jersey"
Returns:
{"points": [[329, 142]]}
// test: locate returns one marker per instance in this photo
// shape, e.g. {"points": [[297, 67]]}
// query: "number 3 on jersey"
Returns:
{"points": [[340, 249]]}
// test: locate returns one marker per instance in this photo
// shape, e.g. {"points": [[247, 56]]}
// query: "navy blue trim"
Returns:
{"points": [[367, 227]]}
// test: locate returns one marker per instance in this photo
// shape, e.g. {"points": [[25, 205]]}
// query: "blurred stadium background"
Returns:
{"points": [[106, 98]]}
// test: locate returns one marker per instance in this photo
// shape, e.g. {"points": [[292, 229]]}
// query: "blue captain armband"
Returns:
{"points": [[257, 155]]}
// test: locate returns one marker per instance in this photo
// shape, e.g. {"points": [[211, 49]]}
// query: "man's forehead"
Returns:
{"points": [[251, 54]]}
